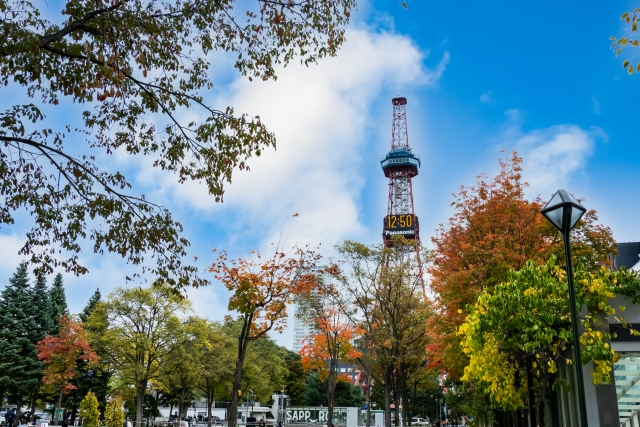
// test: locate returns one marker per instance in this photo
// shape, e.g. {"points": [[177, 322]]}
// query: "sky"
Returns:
{"points": [[479, 78]]}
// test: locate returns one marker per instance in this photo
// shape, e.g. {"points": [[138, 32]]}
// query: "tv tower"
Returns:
{"points": [[400, 165]]}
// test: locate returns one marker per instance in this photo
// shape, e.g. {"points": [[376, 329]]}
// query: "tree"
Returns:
{"points": [[89, 411], [141, 326], [17, 346], [180, 368], [58, 300], [61, 355], [216, 366], [332, 339], [346, 394], [493, 230], [134, 66], [295, 380], [43, 312], [385, 288], [91, 305], [113, 413], [264, 369], [45, 324], [524, 324], [260, 293], [620, 43]]}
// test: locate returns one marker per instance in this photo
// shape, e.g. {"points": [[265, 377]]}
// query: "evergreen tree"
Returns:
{"points": [[58, 300], [23, 373], [42, 310], [45, 324], [91, 305]]}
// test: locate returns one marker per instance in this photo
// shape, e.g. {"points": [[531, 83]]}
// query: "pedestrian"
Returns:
{"points": [[10, 417], [262, 424]]}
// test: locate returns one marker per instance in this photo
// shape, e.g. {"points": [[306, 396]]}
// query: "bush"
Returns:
{"points": [[89, 411]]}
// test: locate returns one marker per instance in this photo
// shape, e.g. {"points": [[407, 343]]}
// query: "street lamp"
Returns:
{"points": [[564, 212]]}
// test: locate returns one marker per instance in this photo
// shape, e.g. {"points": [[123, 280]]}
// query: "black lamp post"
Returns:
{"points": [[564, 212]]}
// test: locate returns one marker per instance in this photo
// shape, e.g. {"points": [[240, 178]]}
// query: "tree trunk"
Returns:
{"points": [[209, 405], [34, 398], [181, 413], [406, 406], [368, 397], [331, 386], [18, 412], [243, 342], [140, 392], [387, 398], [58, 407]]}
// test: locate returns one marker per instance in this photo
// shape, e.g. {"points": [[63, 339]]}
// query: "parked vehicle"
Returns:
{"points": [[415, 421]]}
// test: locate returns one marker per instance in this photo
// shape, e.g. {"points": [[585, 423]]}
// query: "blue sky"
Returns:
{"points": [[479, 78]]}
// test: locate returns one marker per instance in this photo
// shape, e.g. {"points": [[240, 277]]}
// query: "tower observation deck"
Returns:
{"points": [[400, 165]]}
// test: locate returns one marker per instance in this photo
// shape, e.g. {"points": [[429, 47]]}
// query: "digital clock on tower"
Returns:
{"points": [[399, 224]]}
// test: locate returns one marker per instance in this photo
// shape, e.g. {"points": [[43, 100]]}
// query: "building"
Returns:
{"points": [[302, 331], [628, 256]]}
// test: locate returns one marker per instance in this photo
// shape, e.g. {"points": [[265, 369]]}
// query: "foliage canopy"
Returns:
{"points": [[494, 230], [134, 70], [527, 319]]}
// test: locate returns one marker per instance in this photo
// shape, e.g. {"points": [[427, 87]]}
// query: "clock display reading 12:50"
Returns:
{"points": [[395, 222]]}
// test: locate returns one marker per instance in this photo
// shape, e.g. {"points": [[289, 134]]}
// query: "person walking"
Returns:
{"points": [[10, 417]]}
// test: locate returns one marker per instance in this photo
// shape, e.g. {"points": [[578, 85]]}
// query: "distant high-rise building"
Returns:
{"points": [[301, 331]]}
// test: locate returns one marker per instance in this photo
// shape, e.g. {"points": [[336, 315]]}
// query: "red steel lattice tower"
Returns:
{"points": [[400, 165]]}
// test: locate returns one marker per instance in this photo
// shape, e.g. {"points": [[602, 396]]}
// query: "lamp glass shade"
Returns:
{"points": [[555, 210], [555, 216], [576, 214], [555, 200]]}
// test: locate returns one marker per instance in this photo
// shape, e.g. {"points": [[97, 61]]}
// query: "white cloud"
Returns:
{"points": [[553, 156], [10, 244], [319, 115], [486, 98]]}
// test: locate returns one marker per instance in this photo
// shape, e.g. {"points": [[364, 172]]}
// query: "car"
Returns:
{"points": [[415, 421], [2, 421]]}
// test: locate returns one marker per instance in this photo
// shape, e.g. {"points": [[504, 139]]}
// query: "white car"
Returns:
{"points": [[419, 422]]}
